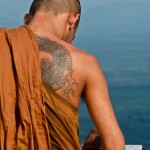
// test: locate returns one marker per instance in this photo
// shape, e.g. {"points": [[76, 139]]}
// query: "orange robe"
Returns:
{"points": [[23, 124], [62, 120]]}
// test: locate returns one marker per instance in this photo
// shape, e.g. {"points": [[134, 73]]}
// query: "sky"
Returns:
{"points": [[12, 12], [98, 16]]}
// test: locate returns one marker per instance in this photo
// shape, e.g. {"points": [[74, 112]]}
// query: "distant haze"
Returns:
{"points": [[99, 17], [117, 17]]}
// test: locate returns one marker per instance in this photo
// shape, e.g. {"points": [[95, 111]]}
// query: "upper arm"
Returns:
{"points": [[98, 102]]}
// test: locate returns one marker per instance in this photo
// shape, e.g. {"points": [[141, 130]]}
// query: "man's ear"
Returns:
{"points": [[27, 18], [72, 20]]}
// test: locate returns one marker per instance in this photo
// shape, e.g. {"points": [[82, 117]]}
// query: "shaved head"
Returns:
{"points": [[56, 6]]}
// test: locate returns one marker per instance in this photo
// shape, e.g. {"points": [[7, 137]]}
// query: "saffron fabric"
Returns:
{"points": [[23, 124], [62, 120]]}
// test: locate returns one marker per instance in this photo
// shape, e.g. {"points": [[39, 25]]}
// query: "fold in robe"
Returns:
{"points": [[62, 120], [23, 124]]}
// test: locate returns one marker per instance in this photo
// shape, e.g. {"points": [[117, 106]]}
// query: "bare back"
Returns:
{"points": [[71, 72], [62, 68]]}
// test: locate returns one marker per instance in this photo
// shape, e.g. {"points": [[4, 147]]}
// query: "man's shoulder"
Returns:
{"points": [[86, 60], [81, 56], [85, 56]]}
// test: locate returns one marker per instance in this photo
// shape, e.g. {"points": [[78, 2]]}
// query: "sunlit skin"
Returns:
{"points": [[86, 71]]}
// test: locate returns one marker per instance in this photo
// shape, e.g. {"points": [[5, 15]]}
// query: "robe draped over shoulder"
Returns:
{"points": [[23, 124], [62, 120]]}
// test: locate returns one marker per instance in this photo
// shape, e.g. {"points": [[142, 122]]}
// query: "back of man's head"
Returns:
{"points": [[55, 6]]}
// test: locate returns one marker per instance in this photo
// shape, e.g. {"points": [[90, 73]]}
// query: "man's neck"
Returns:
{"points": [[48, 25]]}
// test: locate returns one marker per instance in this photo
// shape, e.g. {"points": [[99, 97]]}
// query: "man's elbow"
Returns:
{"points": [[110, 142], [120, 143], [116, 143]]}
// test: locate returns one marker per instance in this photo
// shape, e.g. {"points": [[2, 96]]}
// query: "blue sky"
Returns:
{"points": [[13, 11], [100, 18]]}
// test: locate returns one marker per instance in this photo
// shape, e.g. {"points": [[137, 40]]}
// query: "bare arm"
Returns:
{"points": [[100, 108]]}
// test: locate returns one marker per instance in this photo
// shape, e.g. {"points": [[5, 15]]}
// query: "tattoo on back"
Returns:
{"points": [[56, 67]]}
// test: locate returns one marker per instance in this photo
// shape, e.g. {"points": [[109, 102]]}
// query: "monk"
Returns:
{"points": [[67, 73]]}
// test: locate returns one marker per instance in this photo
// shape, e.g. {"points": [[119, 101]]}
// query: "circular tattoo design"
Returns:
{"points": [[56, 66]]}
